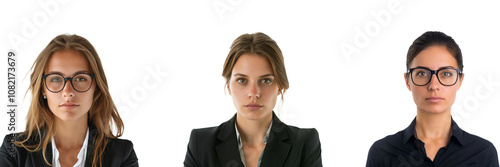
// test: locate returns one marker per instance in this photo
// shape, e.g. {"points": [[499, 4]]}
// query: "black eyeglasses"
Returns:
{"points": [[80, 82], [421, 76]]}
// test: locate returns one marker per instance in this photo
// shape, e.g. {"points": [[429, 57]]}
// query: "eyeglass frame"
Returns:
{"points": [[44, 77], [459, 73]]}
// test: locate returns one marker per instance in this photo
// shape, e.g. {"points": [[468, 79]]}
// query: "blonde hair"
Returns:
{"points": [[103, 113], [262, 45]]}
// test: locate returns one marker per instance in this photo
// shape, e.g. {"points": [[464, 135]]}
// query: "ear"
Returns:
{"points": [[407, 81], [460, 81], [228, 89]]}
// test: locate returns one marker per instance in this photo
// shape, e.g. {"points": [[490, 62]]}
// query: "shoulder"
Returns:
{"points": [[303, 133], [120, 145], [204, 137], [392, 144], [121, 151], [389, 140], [10, 139], [480, 143], [116, 142], [10, 154], [206, 132], [209, 134], [8, 145]]}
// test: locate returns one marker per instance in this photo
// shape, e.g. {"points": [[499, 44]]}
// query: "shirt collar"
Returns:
{"points": [[265, 137], [82, 155], [456, 132]]}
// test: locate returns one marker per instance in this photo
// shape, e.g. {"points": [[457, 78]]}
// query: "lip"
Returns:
{"points": [[434, 99], [69, 106], [253, 106]]}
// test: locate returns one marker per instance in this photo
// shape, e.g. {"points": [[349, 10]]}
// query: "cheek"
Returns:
{"points": [[237, 92], [89, 95], [451, 95], [418, 92], [270, 92]]}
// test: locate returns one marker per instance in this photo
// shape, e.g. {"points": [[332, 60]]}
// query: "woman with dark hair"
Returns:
{"points": [[434, 75], [71, 116], [255, 75]]}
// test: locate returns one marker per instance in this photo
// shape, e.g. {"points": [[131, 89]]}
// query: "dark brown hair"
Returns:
{"points": [[434, 38], [262, 45]]}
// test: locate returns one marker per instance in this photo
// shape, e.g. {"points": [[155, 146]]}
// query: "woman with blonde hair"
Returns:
{"points": [[71, 116]]}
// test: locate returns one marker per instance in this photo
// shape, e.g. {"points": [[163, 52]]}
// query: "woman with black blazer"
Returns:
{"points": [[71, 116], [434, 75], [255, 75]]}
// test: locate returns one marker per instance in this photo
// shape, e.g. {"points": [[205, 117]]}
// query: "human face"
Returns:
{"points": [[252, 87], [434, 97], [68, 104]]}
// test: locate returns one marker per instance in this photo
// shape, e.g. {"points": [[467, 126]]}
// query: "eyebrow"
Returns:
{"points": [[60, 73], [262, 76], [438, 68]]}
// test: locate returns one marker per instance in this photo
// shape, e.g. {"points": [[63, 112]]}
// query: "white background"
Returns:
{"points": [[351, 99]]}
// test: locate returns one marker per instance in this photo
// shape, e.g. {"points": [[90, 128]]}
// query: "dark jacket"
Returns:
{"points": [[118, 153], [287, 146]]}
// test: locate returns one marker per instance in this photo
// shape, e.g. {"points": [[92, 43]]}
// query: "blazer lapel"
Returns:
{"points": [[227, 145], [277, 149], [38, 159], [90, 145]]}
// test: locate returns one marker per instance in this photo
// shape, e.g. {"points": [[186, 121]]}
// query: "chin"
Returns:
{"points": [[253, 115], [68, 116], [434, 110]]}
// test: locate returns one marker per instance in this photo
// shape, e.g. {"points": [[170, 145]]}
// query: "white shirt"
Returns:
{"points": [[242, 156], [82, 155]]}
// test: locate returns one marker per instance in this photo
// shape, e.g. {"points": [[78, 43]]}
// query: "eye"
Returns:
{"points": [[448, 74], [241, 80], [80, 79], [421, 74], [56, 79], [266, 81]]}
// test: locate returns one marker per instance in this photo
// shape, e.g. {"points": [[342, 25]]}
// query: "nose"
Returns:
{"points": [[434, 83], [68, 90], [254, 91]]}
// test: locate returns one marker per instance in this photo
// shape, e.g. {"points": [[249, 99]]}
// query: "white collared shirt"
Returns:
{"points": [[82, 155], [242, 156]]}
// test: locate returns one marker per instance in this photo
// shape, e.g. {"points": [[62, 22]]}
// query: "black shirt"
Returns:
{"points": [[403, 149]]}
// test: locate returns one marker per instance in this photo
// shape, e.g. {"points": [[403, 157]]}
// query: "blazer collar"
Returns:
{"points": [[90, 146], [38, 156], [226, 146], [275, 153]]}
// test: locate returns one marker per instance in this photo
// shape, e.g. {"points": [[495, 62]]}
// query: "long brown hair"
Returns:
{"points": [[40, 120]]}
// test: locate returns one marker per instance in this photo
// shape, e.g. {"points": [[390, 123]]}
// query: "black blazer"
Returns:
{"points": [[118, 153], [287, 146]]}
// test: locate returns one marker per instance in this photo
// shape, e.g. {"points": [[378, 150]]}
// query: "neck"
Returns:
{"points": [[433, 126], [70, 134], [253, 131]]}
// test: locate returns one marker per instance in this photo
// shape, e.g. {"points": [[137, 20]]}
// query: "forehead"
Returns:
{"points": [[67, 62], [434, 57], [252, 64]]}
